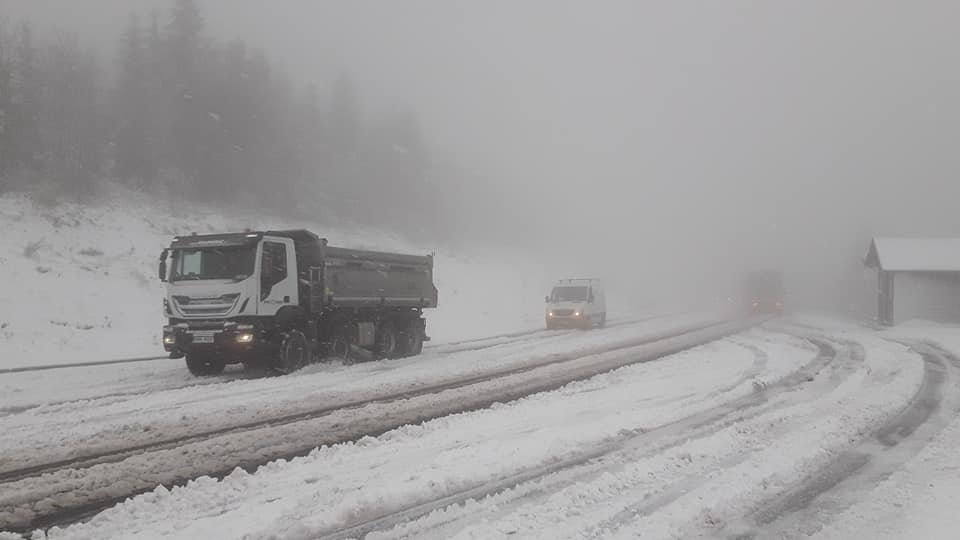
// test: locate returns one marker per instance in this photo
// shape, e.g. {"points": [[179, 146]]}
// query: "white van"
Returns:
{"points": [[579, 303]]}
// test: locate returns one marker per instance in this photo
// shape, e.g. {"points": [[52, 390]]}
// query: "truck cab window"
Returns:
{"points": [[273, 267], [190, 263]]}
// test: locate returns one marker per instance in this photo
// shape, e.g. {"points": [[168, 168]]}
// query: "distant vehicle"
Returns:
{"points": [[764, 292], [576, 303], [281, 299]]}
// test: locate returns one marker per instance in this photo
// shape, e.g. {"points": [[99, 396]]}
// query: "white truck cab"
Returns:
{"points": [[218, 277], [576, 303]]}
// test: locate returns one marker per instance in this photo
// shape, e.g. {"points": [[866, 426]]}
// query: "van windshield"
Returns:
{"points": [[213, 263], [568, 294]]}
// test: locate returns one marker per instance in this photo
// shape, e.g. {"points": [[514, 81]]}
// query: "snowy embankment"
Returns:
{"points": [[80, 281]]}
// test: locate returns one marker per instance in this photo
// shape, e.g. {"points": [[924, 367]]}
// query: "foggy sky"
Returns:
{"points": [[675, 141]]}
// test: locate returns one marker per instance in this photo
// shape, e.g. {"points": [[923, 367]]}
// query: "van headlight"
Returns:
{"points": [[245, 337]]}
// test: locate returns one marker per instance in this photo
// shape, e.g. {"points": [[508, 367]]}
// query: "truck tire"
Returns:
{"points": [[388, 342], [204, 365], [341, 346], [294, 352], [413, 340], [603, 319]]}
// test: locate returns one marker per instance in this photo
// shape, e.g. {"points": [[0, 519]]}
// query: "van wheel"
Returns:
{"points": [[204, 365]]}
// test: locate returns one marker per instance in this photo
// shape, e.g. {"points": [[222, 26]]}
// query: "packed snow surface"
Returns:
{"points": [[42, 427], [339, 485], [710, 442], [703, 443]]}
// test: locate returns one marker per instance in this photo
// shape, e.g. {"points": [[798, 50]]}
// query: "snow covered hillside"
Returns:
{"points": [[79, 282]]}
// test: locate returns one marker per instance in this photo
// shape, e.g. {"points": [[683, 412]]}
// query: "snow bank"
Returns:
{"points": [[80, 281]]}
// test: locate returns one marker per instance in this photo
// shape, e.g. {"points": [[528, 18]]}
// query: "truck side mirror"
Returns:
{"points": [[162, 270], [546, 299]]}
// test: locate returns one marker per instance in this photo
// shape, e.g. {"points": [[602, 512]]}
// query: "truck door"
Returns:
{"points": [[278, 275]]}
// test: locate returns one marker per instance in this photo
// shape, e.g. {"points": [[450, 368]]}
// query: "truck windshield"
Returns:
{"points": [[235, 263], [569, 294]]}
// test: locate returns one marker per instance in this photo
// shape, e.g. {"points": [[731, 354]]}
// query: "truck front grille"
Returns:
{"points": [[206, 307]]}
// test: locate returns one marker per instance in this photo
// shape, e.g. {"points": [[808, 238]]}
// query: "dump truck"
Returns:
{"points": [[279, 300], [763, 291]]}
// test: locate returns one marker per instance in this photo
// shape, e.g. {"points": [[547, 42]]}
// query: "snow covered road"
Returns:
{"points": [[795, 428], [617, 417], [291, 423], [167, 411]]}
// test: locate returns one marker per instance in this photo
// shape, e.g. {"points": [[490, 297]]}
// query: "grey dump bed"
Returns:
{"points": [[342, 277], [355, 278]]}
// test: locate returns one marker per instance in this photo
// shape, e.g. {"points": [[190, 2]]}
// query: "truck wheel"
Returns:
{"points": [[202, 365], [340, 347], [603, 319], [413, 340], [388, 343], [294, 352]]}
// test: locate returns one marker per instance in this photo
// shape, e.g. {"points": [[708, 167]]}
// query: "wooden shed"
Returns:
{"points": [[917, 278]]}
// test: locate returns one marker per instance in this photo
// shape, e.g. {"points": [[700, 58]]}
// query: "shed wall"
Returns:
{"points": [[933, 297]]}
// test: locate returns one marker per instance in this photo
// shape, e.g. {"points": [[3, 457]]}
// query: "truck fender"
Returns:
{"points": [[291, 317]]}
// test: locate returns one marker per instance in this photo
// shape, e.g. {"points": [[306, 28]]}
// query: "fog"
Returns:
{"points": [[667, 146]]}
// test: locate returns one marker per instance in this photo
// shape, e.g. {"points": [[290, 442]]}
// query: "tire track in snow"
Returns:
{"points": [[538, 336], [629, 446], [118, 454], [810, 504], [529, 336], [27, 369], [70, 498]]}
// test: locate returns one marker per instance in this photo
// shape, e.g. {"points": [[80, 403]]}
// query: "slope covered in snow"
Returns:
{"points": [[80, 281]]}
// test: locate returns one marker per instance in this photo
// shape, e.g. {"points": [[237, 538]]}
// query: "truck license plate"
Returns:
{"points": [[203, 339]]}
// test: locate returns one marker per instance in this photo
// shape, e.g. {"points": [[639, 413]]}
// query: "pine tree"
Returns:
{"points": [[343, 143], [5, 106], [71, 126], [189, 121], [23, 113], [159, 100], [133, 157]]}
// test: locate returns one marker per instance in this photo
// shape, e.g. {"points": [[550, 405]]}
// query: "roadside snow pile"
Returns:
{"points": [[80, 281]]}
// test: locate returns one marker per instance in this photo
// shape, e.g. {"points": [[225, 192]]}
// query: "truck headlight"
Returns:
{"points": [[168, 339], [550, 314], [245, 338], [576, 313]]}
